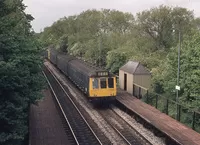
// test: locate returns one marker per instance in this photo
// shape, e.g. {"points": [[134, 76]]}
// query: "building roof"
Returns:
{"points": [[136, 68]]}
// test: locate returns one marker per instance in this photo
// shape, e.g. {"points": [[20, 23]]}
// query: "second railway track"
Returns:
{"points": [[80, 129], [120, 130], [128, 133]]}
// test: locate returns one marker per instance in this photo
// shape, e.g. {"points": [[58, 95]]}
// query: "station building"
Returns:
{"points": [[134, 78]]}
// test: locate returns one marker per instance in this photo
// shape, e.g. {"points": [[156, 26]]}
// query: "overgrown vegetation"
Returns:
{"points": [[21, 79], [109, 38]]}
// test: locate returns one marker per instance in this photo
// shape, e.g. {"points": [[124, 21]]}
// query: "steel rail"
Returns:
{"points": [[118, 132], [132, 127], [54, 94], [74, 105]]}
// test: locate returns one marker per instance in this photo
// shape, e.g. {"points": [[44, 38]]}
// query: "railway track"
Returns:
{"points": [[81, 131], [126, 131]]}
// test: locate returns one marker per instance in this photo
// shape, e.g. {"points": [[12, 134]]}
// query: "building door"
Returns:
{"points": [[133, 90], [125, 82]]}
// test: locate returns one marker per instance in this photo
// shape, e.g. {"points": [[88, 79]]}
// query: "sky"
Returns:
{"points": [[46, 12]]}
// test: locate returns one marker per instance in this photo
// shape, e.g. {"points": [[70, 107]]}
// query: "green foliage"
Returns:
{"points": [[92, 33], [160, 22], [63, 43], [189, 69], [115, 60], [108, 38], [21, 79]]}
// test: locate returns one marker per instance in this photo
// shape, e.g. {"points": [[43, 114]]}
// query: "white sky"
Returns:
{"points": [[46, 12]]}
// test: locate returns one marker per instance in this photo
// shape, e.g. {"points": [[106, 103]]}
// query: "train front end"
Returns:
{"points": [[102, 85]]}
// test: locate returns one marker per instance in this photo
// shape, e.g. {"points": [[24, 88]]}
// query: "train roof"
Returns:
{"points": [[79, 64], [86, 67]]}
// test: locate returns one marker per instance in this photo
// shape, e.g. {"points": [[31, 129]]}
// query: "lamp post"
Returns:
{"points": [[177, 86]]}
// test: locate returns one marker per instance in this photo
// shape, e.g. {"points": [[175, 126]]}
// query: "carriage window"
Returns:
{"points": [[95, 83], [103, 82], [110, 83]]}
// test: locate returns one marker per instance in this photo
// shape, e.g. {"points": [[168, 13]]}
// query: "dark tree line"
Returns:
{"points": [[21, 79]]}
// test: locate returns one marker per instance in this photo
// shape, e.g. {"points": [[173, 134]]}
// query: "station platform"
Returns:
{"points": [[169, 126], [45, 124]]}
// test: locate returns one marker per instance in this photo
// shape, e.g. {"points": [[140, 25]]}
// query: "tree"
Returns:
{"points": [[115, 36], [63, 43], [115, 60], [189, 69], [91, 31], [21, 78], [160, 22]]}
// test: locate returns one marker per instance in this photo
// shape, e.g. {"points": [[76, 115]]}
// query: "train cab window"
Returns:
{"points": [[110, 83], [95, 83], [103, 83]]}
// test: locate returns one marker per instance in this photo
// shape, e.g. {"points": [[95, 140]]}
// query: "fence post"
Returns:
{"points": [[156, 101], [147, 96], [178, 112], [167, 107], [193, 120]]}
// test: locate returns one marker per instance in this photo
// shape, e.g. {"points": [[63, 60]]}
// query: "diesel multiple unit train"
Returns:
{"points": [[97, 84]]}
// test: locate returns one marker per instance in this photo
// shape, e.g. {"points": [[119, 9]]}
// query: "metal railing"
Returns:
{"points": [[185, 115]]}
